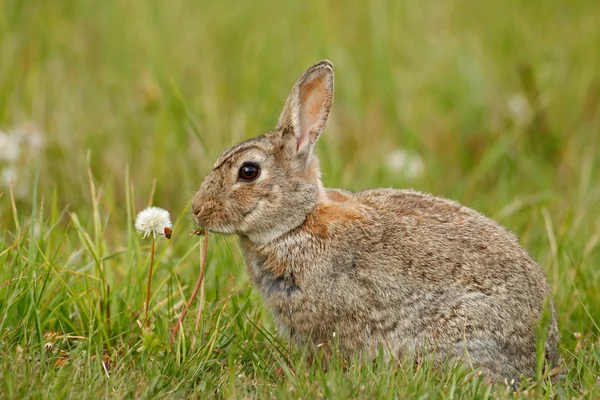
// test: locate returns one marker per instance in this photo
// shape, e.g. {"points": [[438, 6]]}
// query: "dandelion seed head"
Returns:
{"points": [[153, 221], [9, 147], [405, 162], [520, 109], [19, 146], [8, 175]]}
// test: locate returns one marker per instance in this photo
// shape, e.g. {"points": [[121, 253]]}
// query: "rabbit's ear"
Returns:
{"points": [[307, 108]]}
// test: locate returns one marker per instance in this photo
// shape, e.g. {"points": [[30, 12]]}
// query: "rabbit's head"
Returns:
{"points": [[266, 186]]}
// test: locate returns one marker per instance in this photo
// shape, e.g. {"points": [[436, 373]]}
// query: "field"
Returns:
{"points": [[108, 107]]}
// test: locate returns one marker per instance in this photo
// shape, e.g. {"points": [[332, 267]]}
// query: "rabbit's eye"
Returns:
{"points": [[249, 172]]}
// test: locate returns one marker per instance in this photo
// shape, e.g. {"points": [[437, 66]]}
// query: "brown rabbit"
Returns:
{"points": [[416, 275]]}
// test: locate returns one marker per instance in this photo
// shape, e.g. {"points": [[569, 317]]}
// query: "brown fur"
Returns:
{"points": [[331, 213], [415, 274]]}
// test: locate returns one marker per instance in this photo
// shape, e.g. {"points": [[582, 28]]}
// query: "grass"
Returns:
{"points": [[135, 100]]}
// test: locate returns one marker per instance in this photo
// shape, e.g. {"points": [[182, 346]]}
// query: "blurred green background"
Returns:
{"points": [[493, 104], [499, 98]]}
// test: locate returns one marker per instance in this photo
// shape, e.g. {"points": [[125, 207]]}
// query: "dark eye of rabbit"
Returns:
{"points": [[249, 172]]}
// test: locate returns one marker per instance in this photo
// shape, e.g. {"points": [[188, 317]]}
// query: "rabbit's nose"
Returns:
{"points": [[196, 213], [197, 205]]}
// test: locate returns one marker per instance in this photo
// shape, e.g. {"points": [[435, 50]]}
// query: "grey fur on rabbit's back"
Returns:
{"points": [[418, 275]]}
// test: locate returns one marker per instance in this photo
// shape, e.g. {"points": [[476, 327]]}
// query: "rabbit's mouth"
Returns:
{"points": [[207, 217], [218, 228], [222, 229]]}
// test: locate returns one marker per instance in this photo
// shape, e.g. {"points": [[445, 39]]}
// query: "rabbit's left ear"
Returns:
{"points": [[306, 110]]}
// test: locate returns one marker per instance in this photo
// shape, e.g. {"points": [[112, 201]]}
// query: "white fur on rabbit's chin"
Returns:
{"points": [[262, 238], [218, 229]]}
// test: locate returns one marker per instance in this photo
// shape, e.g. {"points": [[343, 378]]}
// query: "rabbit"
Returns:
{"points": [[415, 275]]}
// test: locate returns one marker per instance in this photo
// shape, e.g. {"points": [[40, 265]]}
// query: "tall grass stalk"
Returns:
{"points": [[197, 287]]}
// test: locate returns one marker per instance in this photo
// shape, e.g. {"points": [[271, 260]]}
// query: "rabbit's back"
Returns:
{"points": [[471, 274]]}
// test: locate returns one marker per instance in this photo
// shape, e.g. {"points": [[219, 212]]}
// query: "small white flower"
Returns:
{"points": [[519, 108], [19, 146], [152, 221], [8, 175], [10, 148], [405, 162]]}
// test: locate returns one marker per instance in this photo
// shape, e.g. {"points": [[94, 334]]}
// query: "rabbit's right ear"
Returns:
{"points": [[306, 110]]}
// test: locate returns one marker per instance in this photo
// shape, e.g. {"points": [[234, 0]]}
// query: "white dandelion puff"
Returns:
{"points": [[153, 221], [10, 148], [8, 175], [405, 162], [520, 109], [19, 147]]}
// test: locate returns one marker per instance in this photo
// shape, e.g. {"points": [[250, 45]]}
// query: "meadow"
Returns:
{"points": [[109, 107]]}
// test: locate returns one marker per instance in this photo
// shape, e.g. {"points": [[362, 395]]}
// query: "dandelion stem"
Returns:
{"points": [[194, 293], [149, 281], [200, 308]]}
